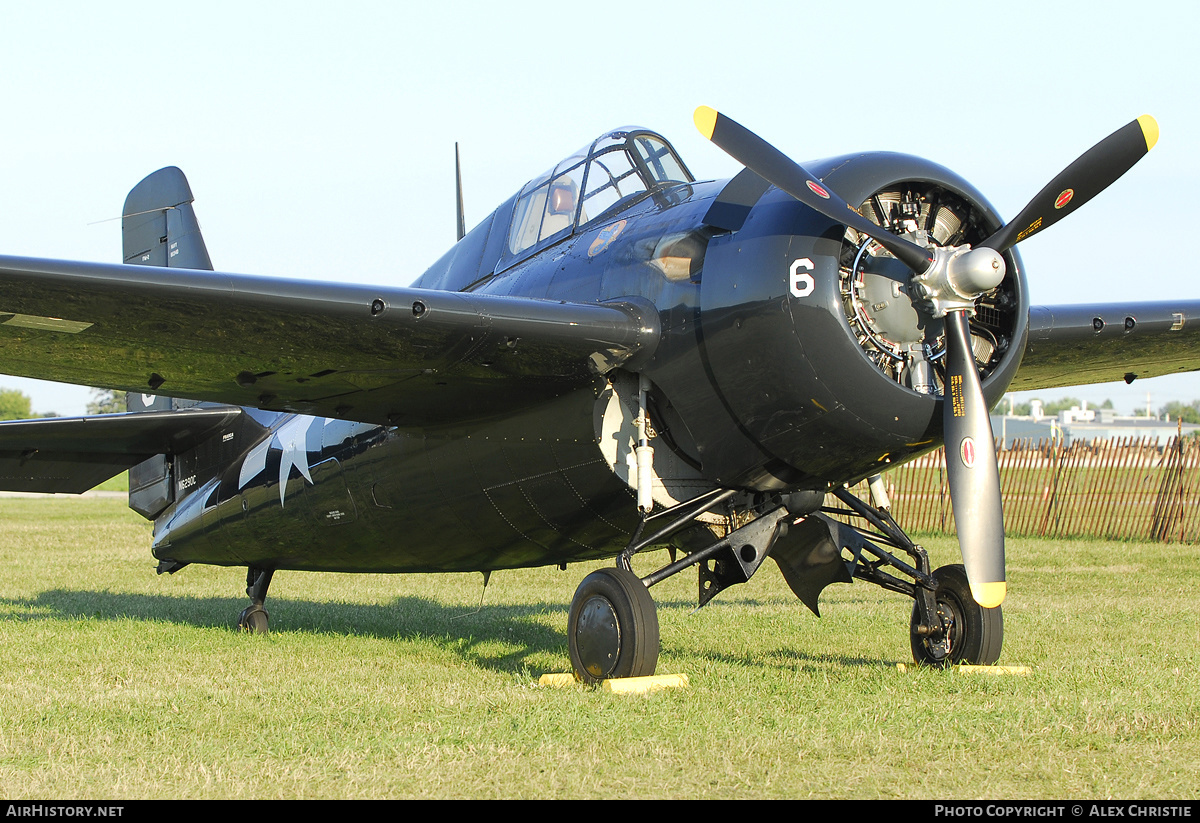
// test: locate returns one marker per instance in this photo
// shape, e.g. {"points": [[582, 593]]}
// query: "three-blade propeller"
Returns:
{"points": [[950, 280]]}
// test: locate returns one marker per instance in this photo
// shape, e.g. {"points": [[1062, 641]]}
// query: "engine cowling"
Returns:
{"points": [[823, 365]]}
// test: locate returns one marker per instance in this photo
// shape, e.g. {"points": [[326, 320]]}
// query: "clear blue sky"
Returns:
{"points": [[319, 140]]}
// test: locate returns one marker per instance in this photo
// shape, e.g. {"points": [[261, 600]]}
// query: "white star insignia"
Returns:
{"points": [[292, 441]]}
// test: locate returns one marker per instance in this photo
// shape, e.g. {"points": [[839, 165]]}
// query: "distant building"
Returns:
{"points": [[1084, 425]]}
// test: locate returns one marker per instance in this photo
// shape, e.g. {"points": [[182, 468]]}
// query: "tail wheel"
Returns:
{"points": [[612, 627], [975, 634], [253, 619]]}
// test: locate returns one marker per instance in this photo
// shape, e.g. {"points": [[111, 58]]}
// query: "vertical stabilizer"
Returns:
{"points": [[159, 228], [158, 224]]}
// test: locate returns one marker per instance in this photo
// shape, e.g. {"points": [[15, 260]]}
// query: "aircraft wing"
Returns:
{"points": [[74, 454], [405, 357], [1103, 343]]}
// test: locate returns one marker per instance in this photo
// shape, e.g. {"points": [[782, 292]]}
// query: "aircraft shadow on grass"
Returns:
{"points": [[514, 627], [401, 618]]}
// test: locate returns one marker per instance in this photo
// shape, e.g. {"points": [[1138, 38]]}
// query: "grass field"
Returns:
{"points": [[120, 483], [116, 683]]}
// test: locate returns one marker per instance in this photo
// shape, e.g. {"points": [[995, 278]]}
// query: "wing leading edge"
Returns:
{"points": [[1103, 343], [406, 357]]}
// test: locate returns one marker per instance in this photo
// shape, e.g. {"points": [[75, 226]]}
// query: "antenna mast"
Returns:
{"points": [[462, 221]]}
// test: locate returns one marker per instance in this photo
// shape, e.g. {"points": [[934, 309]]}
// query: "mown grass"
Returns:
{"points": [[120, 483], [118, 683]]}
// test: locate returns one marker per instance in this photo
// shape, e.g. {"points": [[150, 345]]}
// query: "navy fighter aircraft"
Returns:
{"points": [[617, 359]]}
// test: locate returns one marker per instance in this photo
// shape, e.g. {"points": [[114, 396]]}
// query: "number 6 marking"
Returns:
{"points": [[802, 283]]}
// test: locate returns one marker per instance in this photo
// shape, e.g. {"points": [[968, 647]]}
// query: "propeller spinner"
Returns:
{"points": [[949, 280]]}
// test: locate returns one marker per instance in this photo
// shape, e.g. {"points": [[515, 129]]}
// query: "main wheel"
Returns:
{"points": [[975, 634], [612, 627]]}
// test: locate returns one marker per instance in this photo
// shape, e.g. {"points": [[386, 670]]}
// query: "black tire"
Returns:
{"points": [[976, 633], [612, 627], [253, 619]]}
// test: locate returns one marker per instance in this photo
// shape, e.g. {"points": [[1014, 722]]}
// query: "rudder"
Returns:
{"points": [[159, 226]]}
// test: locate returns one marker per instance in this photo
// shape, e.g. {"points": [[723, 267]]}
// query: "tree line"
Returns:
{"points": [[17, 405]]}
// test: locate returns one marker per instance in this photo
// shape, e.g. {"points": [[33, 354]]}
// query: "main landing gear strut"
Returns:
{"points": [[612, 626]]}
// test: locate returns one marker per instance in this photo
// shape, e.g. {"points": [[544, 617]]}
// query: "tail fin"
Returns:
{"points": [[159, 228], [158, 224]]}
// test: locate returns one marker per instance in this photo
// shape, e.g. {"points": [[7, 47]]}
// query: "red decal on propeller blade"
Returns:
{"points": [[817, 189], [966, 451], [1064, 198]]}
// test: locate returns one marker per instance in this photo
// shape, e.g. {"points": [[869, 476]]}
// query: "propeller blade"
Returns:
{"points": [[1094, 171], [784, 173], [971, 467]]}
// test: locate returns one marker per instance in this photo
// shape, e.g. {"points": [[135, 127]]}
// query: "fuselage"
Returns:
{"points": [[767, 378]]}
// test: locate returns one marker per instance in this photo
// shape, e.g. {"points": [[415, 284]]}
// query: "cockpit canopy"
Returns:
{"points": [[611, 172]]}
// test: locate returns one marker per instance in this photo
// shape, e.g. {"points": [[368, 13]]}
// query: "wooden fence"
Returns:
{"points": [[1117, 489]]}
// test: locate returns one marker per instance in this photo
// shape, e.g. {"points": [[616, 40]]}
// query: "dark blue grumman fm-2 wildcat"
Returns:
{"points": [[619, 358]]}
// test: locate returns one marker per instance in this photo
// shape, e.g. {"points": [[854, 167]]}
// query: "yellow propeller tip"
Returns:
{"points": [[989, 595], [706, 120], [1149, 130]]}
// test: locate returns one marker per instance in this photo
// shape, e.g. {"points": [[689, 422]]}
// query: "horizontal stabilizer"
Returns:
{"points": [[73, 454]]}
